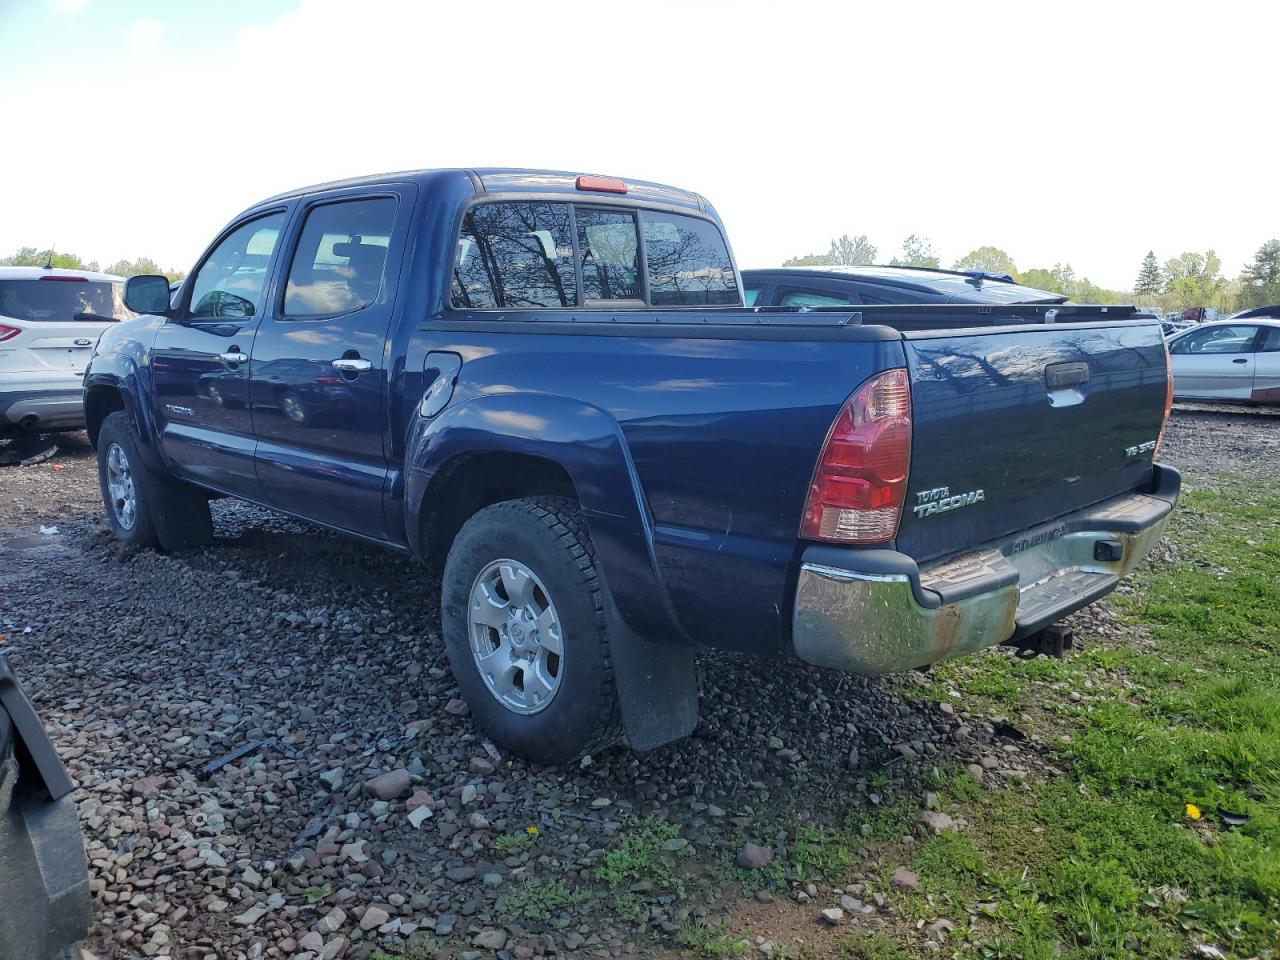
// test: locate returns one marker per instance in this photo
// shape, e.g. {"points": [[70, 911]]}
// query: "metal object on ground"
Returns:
{"points": [[44, 878]]}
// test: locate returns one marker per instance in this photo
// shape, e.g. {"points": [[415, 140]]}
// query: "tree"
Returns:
{"points": [[134, 268], [31, 257], [1195, 280], [1150, 278], [844, 251], [917, 251], [1061, 278], [1260, 280], [991, 259]]}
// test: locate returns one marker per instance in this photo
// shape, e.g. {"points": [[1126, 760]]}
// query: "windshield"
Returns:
{"points": [[59, 299]]}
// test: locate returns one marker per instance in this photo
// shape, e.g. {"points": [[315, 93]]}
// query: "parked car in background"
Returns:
{"points": [[840, 286], [50, 318], [547, 387], [1236, 360], [44, 876]]}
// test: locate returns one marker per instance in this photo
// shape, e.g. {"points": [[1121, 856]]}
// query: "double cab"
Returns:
{"points": [[547, 387]]}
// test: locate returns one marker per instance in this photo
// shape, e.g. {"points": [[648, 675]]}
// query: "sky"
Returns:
{"points": [[1077, 132]]}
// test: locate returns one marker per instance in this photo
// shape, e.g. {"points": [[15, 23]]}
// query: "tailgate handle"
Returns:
{"points": [[1059, 376]]}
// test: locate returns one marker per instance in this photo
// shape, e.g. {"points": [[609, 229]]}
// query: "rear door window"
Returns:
{"points": [[515, 255], [688, 262], [1270, 340], [610, 255], [341, 257]]}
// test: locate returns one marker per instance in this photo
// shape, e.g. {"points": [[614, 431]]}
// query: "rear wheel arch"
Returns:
{"points": [[469, 482]]}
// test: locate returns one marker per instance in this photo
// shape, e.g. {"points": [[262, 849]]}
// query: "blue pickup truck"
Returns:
{"points": [[546, 387]]}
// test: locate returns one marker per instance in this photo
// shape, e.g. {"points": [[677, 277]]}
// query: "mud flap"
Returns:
{"points": [[657, 686]]}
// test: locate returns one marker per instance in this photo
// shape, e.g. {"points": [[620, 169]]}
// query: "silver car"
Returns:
{"points": [[1237, 359], [50, 318]]}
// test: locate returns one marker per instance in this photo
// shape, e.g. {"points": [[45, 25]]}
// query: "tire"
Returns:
{"points": [[163, 511], [545, 537]]}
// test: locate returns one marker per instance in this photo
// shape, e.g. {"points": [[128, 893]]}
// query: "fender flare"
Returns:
{"points": [[653, 659], [120, 374], [589, 445]]}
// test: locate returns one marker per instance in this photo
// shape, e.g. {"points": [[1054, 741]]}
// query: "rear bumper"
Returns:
{"points": [[42, 407], [876, 611]]}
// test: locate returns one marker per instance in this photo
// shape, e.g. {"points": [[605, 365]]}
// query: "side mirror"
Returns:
{"points": [[147, 294]]}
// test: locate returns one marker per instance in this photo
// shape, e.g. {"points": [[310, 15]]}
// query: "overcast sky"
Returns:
{"points": [[1067, 131]]}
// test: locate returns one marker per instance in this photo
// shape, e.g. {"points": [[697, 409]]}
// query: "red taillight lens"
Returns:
{"points": [[861, 479], [1168, 400], [66, 279], [7, 332]]}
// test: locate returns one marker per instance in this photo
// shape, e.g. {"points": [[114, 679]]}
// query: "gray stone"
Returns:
{"points": [[388, 786], [374, 917], [490, 939], [753, 857], [832, 915]]}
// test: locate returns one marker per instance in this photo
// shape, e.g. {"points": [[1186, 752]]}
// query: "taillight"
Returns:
{"points": [[1168, 400], [861, 479], [7, 332]]}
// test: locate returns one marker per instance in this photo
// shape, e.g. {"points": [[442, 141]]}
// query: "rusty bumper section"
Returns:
{"points": [[876, 611]]}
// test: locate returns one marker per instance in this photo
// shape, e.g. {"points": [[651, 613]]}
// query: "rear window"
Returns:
{"points": [[688, 262], [515, 255], [56, 299], [521, 254]]}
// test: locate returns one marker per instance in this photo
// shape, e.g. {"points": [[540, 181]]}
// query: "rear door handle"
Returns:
{"points": [[233, 357], [1240, 360], [347, 365]]}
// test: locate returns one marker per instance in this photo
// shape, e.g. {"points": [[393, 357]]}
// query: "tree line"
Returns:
{"points": [[1191, 279], [31, 257]]}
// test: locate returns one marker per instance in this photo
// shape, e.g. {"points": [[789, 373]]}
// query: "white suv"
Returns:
{"points": [[50, 318]]}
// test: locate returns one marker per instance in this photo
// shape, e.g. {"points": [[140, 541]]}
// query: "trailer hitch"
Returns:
{"points": [[1050, 642]]}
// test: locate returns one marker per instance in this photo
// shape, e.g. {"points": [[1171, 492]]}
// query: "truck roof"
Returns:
{"points": [[511, 180]]}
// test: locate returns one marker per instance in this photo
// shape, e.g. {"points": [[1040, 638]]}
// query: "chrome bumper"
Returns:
{"points": [[876, 611]]}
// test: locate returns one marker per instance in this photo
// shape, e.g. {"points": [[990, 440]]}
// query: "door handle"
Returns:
{"points": [[1241, 360], [349, 365], [233, 357]]}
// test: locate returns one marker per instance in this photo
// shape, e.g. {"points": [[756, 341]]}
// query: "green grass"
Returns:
{"points": [[640, 858], [539, 901], [1106, 863], [712, 940]]}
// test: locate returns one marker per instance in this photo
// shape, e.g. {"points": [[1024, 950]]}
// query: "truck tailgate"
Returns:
{"points": [[1013, 426]]}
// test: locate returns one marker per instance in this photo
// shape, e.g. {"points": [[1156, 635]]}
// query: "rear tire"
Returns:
{"points": [[145, 505], [548, 707]]}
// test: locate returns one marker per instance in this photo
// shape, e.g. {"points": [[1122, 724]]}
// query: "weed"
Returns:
{"points": [[538, 901], [316, 894], [642, 856]]}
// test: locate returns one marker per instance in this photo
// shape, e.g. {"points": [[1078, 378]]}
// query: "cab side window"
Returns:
{"points": [[515, 255], [233, 278], [688, 262], [341, 258]]}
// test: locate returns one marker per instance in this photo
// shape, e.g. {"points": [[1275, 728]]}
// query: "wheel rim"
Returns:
{"points": [[124, 502], [516, 637]]}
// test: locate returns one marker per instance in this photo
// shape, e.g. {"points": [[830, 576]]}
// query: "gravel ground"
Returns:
{"points": [[321, 655]]}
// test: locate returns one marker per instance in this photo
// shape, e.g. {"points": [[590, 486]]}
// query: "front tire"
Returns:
{"points": [[145, 506], [525, 630]]}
